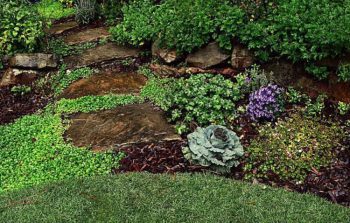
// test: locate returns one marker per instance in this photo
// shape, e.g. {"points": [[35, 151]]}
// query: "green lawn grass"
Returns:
{"points": [[164, 198]]}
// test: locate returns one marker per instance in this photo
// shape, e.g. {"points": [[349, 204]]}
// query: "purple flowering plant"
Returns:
{"points": [[265, 103]]}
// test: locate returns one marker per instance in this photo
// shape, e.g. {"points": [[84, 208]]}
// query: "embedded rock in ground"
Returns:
{"points": [[16, 76], [207, 56], [106, 52], [241, 57], [139, 123], [169, 56], [60, 28], [33, 61], [88, 35], [104, 83]]}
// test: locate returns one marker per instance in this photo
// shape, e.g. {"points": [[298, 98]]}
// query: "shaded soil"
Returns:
{"points": [[106, 82], [13, 107]]}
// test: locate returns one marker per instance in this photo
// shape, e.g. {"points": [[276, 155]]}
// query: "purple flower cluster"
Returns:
{"points": [[265, 103]]}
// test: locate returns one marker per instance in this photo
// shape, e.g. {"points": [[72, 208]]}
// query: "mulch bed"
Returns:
{"points": [[332, 183], [164, 157], [13, 107]]}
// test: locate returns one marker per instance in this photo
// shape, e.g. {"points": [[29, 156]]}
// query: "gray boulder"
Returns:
{"points": [[207, 56], [33, 61]]}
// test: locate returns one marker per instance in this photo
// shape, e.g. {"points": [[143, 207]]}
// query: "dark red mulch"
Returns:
{"points": [[163, 157], [333, 182], [13, 107]]}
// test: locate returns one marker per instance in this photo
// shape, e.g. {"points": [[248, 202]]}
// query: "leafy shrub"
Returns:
{"points": [[52, 9], [111, 10], [67, 3], [266, 103], [182, 25], [292, 148], [215, 146], [343, 108], [315, 109], [138, 24], [204, 99], [320, 73], [344, 72], [85, 11], [303, 30], [21, 28], [295, 97], [33, 151]]}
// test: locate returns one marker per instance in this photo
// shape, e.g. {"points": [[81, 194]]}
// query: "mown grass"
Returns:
{"points": [[140, 197]]}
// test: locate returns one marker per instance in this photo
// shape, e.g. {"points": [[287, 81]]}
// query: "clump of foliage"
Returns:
{"points": [[344, 72], [182, 25], [320, 73], [215, 146], [21, 90], [303, 30], [67, 3], [52, 9], [138, 25], [64, 78], [256, 78], [204, 99], [21, 28], [266, 103], [95, 103], [85, 11], [314, 109], [33, 151], [185, 25], [111, 10], [295, 97], [292, 148], [343, 108]]}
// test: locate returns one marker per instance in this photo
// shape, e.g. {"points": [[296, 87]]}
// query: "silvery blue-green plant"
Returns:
{"points": [[215, 146]]}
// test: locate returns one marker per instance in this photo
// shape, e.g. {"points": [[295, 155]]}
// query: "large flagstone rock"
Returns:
{"points": [[138, 123]]}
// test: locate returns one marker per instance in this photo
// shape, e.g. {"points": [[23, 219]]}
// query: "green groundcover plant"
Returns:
{"points": [[292, 148], [205, 99], [33, 151]]}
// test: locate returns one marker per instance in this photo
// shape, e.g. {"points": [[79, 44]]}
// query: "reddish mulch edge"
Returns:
{"points": [[332, 183], [163, 157], [13, 107]]}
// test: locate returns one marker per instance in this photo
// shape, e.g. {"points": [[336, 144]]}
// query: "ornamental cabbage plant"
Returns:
{"points": [[215, 147]]}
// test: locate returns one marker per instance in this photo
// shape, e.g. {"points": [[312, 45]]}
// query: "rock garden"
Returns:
{"points": [[174, 111]]}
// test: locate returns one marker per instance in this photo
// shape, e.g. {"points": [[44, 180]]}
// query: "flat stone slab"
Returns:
{"points": [[139, 123], [60, 28], [87, 35], [99, 54], [33, 61], [104, 83]]}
